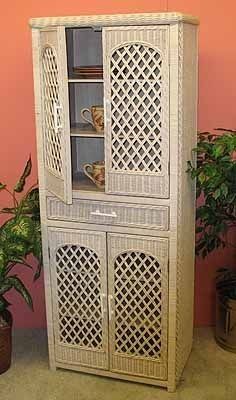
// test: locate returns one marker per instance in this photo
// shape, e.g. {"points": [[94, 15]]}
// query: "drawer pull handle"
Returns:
{"points": [[100, 214]]}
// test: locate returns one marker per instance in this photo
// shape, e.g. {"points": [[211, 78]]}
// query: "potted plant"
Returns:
{"points": [[19, 236], [215, 175]]}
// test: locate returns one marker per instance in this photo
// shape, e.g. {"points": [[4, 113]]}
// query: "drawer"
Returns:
{"points": [[109, 213]]}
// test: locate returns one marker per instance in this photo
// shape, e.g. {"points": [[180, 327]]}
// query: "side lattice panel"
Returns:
{"points": [[186, 196]]}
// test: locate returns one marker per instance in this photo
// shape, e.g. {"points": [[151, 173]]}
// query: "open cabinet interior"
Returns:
{"points": [[85, 80]]}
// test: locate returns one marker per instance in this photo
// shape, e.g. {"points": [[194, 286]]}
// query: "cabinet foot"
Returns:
{"points": [[171, 388]]}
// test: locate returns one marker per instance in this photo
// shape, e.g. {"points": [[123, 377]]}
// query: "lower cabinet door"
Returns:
{"points": [[138, 304], [79, 293]]}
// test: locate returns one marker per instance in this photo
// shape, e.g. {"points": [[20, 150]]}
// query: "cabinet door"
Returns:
{"points": [[78, 270], [138, 305], [136, 83], [55, 113]]}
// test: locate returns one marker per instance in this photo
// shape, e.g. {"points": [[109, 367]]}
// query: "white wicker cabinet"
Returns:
{"points": [[118, 262]]}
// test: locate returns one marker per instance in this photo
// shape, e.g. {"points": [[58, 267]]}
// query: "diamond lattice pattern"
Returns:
{"points": [[51, 98], [79, 304], [138, 305], [136, 109]]}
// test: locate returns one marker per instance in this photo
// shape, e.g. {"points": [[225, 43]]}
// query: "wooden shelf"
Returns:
{"points": [[82, 183], [88, 80], [85, 130]]}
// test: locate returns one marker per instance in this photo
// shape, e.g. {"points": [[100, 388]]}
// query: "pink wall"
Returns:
{"points": [[217, 92]]}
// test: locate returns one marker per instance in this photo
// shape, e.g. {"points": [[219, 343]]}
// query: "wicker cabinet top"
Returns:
{"points": [[114, 19]]}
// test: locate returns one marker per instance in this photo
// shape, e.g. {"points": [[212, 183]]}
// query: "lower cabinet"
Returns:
{"points": [[110, 301]]}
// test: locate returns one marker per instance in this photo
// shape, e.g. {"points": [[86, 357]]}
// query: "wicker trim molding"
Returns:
{"points": [[110, 20]]}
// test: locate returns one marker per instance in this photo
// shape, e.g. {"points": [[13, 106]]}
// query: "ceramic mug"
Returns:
{"points": [[96, 172], [96, 117]]}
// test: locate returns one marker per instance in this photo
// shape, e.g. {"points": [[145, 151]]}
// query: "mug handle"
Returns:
{"points": [[86, 168], [82, 112]]}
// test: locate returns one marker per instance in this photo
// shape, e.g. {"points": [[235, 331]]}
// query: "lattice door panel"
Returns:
{"points": [[138, 302], [56, 138], [79, 272], [53, 140], [137, 110]]}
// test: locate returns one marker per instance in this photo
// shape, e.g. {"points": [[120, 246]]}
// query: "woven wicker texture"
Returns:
{"points": [[55, 113], [186, 197], [121, 303], [79, 301], [138, 296], [100, 212], [137, 110], [138, 282], [136, 107], [118, 19], [80, 288], [51, 100]]}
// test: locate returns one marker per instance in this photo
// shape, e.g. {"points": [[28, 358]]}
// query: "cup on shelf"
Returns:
{"points": [[96, 172], [96, 119]]}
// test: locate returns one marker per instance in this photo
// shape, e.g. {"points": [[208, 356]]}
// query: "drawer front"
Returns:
{"points": [[109, 213]]}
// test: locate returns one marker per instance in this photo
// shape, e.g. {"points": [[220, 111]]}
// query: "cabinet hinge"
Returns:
{"points": [[168, 167], [49, 253]]}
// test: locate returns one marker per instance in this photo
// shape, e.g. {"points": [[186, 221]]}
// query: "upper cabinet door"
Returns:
{"points": [[136, 79], [55, 113]]}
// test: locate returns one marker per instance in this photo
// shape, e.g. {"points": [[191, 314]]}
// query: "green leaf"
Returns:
{"points": [[23, 228], [220, 227], [21, 183], [218, 150], [18, 285], [30, 204], [202, 177], [8, 210], [211, 201], [3, 262], [200, 245], [224, 189], [231, 197], [199, 229], [20, 235], [5, 286], [3, 304], [217, 193], [38, 271]]}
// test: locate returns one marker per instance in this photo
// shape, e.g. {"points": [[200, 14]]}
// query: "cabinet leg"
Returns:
{"points": [[171, 387], [52, 366]]}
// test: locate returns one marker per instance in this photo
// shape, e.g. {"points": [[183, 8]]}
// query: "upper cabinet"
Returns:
{"points": [[105, 108]]}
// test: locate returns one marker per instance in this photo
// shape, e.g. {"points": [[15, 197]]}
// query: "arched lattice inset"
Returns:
{"points": [[138, 305], [79, 301], [136, 86], [52, 137]]}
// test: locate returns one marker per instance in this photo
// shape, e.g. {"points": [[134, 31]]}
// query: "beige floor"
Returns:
{"points": [[210, 375]]}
